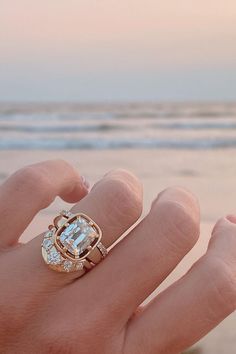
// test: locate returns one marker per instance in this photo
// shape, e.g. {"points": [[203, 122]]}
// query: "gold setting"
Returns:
{"points": [[58, 255]]}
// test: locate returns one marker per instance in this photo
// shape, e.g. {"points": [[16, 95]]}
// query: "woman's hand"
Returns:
{"points": [[42, 311]]}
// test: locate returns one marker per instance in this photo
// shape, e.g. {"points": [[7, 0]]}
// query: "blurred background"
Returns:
{"points": [[145, 85]]}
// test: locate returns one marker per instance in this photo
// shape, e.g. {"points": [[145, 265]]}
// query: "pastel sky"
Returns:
{"points": [[93, 50]]}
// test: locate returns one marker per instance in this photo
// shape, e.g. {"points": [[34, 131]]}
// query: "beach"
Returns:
{"points": [[165, 144], [209, 173], [147, 86]]}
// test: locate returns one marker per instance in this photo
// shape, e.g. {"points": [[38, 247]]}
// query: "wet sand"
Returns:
{"points": [[209, 174]]}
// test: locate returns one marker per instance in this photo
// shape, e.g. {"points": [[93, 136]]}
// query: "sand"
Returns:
{"points": [[209, 174]]}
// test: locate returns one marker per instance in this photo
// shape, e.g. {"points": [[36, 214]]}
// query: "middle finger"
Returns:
{"points": [[141, 261]]}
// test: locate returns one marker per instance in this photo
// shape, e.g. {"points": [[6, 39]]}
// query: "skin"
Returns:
{"points": [[42, 311]]}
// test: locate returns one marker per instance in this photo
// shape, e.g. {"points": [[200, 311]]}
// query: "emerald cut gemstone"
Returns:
{"points": [[78, 236]]}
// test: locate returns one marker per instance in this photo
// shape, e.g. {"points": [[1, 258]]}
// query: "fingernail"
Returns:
{"points": [[85, 182], [231, 218]]}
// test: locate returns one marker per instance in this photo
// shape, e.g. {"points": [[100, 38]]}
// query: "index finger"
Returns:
{"points": [[33, 188]]}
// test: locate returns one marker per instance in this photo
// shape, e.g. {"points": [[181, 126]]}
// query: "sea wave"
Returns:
{"points": [[68, 144], [70, 128], [117, 126], [108, 127], [108, 111]]}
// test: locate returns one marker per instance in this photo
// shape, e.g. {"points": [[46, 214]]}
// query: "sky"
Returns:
{"points": [[117, 50]]}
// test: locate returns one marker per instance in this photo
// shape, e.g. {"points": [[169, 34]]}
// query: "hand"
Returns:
{"points": [[42, 311]]}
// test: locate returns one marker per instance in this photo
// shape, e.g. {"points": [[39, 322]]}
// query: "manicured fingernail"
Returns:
{"points": [[231, 218], [85, 182]]}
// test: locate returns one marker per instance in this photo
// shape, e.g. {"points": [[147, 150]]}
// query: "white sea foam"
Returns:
{"points": [[115, 126]]}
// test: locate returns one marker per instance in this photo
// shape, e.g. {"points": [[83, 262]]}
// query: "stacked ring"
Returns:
{"points": [[71, 242]]}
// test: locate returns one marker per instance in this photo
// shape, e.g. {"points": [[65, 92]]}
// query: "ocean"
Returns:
{"points": [[117, 125]]}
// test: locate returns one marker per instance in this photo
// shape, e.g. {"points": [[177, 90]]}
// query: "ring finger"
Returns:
{"points": [[141, 261]]}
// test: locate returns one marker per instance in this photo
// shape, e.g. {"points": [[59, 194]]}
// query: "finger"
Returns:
{"points": [[114, 203], [141, 261], [33, 188], [195, 304]]}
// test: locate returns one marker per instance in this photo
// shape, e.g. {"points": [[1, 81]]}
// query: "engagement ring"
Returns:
{"points": [[73, 243]]}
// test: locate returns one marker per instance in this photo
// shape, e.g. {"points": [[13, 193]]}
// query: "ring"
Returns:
{"points": [[73, 243]]}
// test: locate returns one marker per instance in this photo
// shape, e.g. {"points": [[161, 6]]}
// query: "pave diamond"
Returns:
{"points": [[54, 257], [67, 265], [79, 266], [78, 236], [66, 213], [48, 234], [47, 243], [102, 249]]}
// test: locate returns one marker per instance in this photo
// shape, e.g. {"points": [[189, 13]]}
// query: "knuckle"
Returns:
{"points": [[28, 174], [187, 198], [37, 181], [125, 190], [63, 165], [219, 226], [177, 224], [223, 240], [61, 162], [222, 278]]}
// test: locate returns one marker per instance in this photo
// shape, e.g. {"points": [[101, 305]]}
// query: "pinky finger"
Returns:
{"points": [[192, 306]]}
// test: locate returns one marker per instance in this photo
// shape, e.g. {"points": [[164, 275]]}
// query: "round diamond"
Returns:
{"points": [[49, 233], [79, 266], [47, 244], [67, 265], [66, 213], [54, 257]]}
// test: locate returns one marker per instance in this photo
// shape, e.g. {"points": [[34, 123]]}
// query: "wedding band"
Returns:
{"points": [[71, 242]]}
